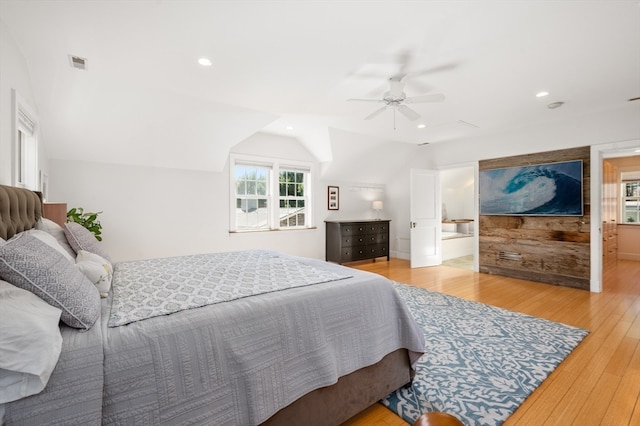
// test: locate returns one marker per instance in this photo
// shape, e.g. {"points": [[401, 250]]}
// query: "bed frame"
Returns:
{"points": [[20, 209]]}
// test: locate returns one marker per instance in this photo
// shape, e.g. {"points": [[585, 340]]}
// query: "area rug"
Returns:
{"points": [[480, 362]]}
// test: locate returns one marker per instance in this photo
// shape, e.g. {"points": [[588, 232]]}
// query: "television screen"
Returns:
{"points": [[538, 190]]}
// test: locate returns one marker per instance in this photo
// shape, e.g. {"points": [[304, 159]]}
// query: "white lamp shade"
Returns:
{"points": [[377, 205]]}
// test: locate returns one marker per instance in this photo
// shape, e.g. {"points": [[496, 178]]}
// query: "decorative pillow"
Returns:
{"points": [[28, 263], [30, 342], [56, 231], [49, 240], [97, 269], [80, 238]]}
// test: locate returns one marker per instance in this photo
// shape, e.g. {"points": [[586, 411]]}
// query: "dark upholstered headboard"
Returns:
{"points": [[20, 209]]}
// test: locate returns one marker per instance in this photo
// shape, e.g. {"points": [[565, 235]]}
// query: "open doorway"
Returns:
{"points": [[620, 216], [458, 217], [598, 154]]}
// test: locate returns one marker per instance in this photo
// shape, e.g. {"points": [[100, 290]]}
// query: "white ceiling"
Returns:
{"points": [[295, 63]]}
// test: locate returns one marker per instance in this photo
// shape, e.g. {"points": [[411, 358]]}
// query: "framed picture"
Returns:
{"points": [[550, 189], [333, 198]]}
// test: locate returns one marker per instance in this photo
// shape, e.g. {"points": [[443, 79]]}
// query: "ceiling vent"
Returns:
{"points": [[78, 62]]}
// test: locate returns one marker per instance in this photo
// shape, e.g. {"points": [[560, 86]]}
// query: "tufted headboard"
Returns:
{"points": [[20, 209]]}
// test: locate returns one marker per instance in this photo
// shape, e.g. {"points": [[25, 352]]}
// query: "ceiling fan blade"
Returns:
{"points": [[376, 113], [408, 112], [439, 68], [365, 100], [436, 97], [404, 59]]}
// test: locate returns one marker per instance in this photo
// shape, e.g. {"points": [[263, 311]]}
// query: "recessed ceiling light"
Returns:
{"points": [[289, 127], [205, 62], [542, 94], [421, 126]]}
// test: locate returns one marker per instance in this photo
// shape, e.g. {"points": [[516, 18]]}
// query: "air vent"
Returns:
{"points": [[509, 255], [78, 62]]}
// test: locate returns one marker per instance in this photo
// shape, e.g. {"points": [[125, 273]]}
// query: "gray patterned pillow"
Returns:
{"points": [[28, 263], [80, 238]]}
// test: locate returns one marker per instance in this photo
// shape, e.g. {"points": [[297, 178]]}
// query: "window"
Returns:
{"points": [[252, 204], [25, 146], [631, 202], [292, 198], [269, 195]]}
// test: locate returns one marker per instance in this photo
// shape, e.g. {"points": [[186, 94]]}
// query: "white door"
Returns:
{"points": [[426, 218]]}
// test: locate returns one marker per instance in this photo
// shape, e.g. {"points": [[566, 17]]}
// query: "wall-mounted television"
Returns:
{"points": [[550, 189]]}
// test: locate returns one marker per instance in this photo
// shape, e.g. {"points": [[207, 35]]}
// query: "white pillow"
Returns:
{"points": [[97, 269], [50, 240], [56, 231], [30, 342]]}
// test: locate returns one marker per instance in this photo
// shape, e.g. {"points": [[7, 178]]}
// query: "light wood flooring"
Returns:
{"points": [[597, 384]]}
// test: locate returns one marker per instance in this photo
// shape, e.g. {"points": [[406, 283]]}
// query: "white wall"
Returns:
{"points": [[14, 74], [158, 212], [457, 193], [603, 127]]}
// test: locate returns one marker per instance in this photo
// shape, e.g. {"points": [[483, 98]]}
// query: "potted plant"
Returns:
{"points": [[88, 220]]}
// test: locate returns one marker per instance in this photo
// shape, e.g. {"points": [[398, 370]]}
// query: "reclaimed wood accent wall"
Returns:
{"points": [[550, 249]]}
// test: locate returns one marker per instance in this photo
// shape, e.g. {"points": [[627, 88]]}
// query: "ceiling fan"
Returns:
{"points": [[397, 99]]}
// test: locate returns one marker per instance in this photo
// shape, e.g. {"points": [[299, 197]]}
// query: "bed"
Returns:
{"points": [[313, 350]]}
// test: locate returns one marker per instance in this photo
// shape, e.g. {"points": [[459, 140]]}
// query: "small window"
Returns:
{"points": [[631, 202], [269, 195], [292, 212], [25, 145], [252, 203]]}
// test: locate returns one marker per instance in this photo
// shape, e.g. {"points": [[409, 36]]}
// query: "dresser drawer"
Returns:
{"points": [[376, 250], [354, 240], [346, 230], [377, 228]]}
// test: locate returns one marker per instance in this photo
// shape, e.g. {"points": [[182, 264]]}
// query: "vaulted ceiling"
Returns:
{"points": [[289, 67]]}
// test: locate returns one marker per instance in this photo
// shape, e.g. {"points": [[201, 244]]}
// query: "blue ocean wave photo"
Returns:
{"points": [[543, 189]]}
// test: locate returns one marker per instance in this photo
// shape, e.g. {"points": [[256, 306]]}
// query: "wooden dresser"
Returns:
{"points": [[56, 212], [356, 240]]}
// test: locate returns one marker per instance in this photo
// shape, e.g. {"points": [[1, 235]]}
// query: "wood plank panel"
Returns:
{"points": [[551, 249]]}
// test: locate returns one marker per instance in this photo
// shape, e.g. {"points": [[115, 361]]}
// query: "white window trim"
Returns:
{"points": [[623, 203], [275, 164], [25, 121]]}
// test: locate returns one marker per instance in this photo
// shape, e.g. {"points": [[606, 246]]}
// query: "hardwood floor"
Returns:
{"points": [[597, 384]]}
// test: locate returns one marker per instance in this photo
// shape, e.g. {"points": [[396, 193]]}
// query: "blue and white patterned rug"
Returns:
{"points": [[480, 362]]}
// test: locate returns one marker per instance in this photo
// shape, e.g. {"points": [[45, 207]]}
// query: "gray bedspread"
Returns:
{"points": [[73, 395], [232, 363], [148, 288]]}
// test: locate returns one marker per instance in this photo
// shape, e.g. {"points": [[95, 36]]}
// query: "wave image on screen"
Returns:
{"points": [[542, 189]]}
